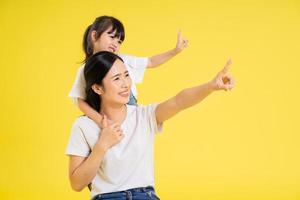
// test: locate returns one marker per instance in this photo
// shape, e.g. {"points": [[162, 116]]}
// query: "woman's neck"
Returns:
{"points": [[115, 113]]}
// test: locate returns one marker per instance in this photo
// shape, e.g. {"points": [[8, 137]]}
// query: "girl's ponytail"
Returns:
{"points": [[87, 43]]}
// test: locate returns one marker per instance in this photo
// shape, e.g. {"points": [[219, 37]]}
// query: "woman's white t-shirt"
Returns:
{"points": [[135, 65], [128, 164]]}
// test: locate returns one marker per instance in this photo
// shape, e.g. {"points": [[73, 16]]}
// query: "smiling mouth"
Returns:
{"points": [[124, 94], [112, 49]]}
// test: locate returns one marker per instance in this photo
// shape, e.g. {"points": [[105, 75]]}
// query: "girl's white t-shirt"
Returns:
{"points": [[128, 164], [135, 65]]}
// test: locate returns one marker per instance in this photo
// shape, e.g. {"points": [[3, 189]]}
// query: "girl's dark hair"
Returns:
{"points": [[100, 25], [95, 69]]}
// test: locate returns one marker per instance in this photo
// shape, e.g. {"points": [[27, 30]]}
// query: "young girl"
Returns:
{"points": [[118, 159], [107, 34]]}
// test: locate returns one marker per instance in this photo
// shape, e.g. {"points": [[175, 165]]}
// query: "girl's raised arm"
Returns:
{"points": [[156, 60]]}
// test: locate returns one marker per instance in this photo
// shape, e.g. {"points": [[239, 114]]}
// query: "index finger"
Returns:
{"points": [[227, 66], [179, 34]]}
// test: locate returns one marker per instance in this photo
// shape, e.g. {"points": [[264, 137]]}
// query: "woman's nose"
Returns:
{"points": [[126, 83]]}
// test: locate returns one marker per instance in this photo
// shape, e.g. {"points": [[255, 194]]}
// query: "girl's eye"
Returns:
{"points": [[120, 41], [116, 79], [126, 75]]}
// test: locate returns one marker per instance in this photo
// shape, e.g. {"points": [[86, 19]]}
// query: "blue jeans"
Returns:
{"points": [[143, 193], [132, 100]]}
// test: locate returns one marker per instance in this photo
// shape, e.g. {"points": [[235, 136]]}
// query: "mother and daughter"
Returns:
{"points": [[111, 147]]}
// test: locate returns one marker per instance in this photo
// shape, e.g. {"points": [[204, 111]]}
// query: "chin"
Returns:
{"points": [[123, 101]]}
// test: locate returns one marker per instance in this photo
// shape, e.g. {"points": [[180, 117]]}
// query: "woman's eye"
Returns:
{"points": [[116, 79]]}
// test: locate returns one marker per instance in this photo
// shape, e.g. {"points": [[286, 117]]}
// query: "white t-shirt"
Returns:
{"points": [[128, 164], [135, 65]]}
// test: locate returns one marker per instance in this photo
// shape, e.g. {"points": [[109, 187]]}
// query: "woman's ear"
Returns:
{"points": [[97, 89], [94, 36]]}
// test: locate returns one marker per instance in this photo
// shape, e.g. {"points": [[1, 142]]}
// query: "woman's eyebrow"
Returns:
{"points": [[116, 75], [119, 74]]}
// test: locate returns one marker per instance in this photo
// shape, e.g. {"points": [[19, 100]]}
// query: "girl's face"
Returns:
{"points": [[107, 42], [116, 85]]}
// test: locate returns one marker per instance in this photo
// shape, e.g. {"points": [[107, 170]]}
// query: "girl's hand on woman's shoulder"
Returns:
{"points": [[111, 134]]}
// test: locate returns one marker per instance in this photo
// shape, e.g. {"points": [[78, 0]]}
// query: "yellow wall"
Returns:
{"points": [[237, 145]]}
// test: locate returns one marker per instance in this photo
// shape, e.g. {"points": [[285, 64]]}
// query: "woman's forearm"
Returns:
{"points": [[184, 99], [86, 171], [191, 96]]}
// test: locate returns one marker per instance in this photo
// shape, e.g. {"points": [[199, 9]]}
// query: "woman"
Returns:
{"points": [[118, 159]]}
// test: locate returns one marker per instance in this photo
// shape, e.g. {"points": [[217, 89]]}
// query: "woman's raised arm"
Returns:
{"points": [[191, 96]]}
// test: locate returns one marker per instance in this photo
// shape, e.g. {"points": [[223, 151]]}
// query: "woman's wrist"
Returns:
{"points": [[211, 86], [176, 51]]}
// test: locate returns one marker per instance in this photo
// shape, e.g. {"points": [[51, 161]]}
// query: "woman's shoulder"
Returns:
{"points": [[142, 109], [85, 124]]}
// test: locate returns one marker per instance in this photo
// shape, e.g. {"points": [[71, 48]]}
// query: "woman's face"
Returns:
{"points": [[107, 42], [116, 85]]}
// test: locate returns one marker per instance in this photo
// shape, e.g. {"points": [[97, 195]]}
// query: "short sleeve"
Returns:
{"points": [[136, 66], [77, 145], [78, 88], [150, 111]]}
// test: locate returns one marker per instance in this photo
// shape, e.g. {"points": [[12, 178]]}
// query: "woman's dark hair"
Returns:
{"points": [[100, 25], [95, 69]]}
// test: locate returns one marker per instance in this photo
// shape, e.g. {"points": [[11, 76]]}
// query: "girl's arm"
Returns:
{"points": [[89, 111], [82, 170], [191, 96], [159, 59]]}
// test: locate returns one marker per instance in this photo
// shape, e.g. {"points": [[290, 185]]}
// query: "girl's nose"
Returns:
{"points": [[116, 42]]}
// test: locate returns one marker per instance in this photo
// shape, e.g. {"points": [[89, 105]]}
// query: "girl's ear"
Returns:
{"points": [[97, 89], [94, 36]]}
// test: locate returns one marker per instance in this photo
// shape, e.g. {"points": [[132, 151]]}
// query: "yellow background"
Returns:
{"points": [[237, 145]]}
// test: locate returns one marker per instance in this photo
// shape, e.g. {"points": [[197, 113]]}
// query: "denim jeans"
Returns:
{"points": [[146, 193], [132, 100]]}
